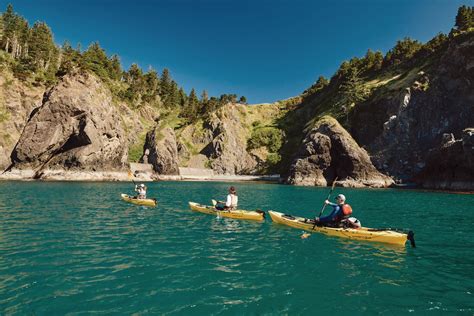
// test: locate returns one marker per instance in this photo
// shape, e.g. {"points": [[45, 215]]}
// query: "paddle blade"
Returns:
{"points": [[305, 235], [214, 202], [411, 238]]}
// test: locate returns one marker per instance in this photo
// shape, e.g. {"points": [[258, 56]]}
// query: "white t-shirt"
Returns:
{"points": [[232, 200]]}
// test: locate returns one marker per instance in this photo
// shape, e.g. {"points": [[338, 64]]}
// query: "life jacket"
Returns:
{"points": [[346, 210], [233, 201]]}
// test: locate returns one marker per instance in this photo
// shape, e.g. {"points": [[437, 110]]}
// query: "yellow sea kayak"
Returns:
{"points": [[363, 233], [143, 202], [237, 214]]}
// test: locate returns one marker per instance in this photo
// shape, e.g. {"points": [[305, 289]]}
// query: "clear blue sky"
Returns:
{"points": [[266, 50]]}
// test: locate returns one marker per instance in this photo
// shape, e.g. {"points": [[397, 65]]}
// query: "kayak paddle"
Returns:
{"points": [[329, 196]]}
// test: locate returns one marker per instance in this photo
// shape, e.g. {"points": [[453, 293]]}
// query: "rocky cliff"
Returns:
{"points": [[75, 127], [405, 121], [161, 151], [451, 165], [17, 100], [328, 151]]}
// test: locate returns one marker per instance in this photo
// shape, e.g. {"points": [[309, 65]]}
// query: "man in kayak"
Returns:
{"points": [[340, 211], [231, 202], [141, 189]]}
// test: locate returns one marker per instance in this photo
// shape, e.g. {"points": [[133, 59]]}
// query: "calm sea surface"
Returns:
{"points": [[76, 248]]}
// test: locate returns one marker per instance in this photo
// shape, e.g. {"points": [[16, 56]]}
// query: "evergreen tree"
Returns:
{"points": [[243, 100], [192, 107], [69, 59], [96, 59], [41, 48], [352, 87], [465, 18], [114, 68], [402, 51], [173, 99], [165, 84], [204, 97], [183, 98], [15, 33]]}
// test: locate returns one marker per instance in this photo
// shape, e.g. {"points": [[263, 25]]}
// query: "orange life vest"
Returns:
{"points": [[346, 210]]}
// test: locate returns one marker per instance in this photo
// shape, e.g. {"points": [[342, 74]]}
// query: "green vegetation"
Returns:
{"points": [[465, 18], [135, 151], [34, 57], [269, 137]]}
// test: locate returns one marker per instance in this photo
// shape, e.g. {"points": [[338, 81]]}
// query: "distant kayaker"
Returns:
{"points": [[141, 189], [340, 211], [231, 202]]}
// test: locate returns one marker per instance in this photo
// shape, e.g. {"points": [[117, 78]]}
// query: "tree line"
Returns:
{"points": [[32, 53], [349, 77]]}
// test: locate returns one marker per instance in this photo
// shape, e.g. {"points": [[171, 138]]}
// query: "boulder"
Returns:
{"points": [[162, 150], [76, 127], [327, 152]]}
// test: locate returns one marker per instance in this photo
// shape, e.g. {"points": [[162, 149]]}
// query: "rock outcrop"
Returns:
{"points": [[451, 166], [402, 128], [227, 150], [327, 152], [76, 128], [161, 146], [17, 100]]}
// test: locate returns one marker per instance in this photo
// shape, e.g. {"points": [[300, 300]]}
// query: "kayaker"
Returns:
{"points": [[340, 211], [141, 189], [231, 202]]}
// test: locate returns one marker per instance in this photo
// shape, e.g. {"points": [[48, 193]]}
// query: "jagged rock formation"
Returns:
{"points": [[328, 151], [402, 127], [451, 166], [76, 127], [227, 150], [162, 150]]}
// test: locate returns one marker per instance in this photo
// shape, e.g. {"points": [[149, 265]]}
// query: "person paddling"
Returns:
{"points": [[231, 202], [340, 211], [141, 189]]}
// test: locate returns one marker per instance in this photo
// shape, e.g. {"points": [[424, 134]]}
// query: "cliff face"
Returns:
{"points": [[161, 151], [76, 127], [17, 100], [327, 152], [403, 128], [451, 165]]}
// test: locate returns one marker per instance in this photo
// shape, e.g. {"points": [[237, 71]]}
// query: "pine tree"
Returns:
{"points": [[243, 100], [183, 98], [352, 87], [41, 48], [465, 18], [114, 68], [165, 84], [96, 59], [204, 97], [192, 107]]}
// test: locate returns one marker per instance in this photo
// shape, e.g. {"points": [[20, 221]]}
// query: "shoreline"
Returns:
{"points": [[123, 176]]}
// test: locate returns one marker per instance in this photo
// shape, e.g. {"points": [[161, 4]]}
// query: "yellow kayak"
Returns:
{"points": [[363, 233], [143, 202], [237, 214]]}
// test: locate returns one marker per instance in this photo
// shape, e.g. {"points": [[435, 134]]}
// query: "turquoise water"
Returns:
{"points": [[75, 248]]}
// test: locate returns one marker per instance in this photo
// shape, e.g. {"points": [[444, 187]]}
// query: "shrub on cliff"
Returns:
{"points": [[269, 137]]}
